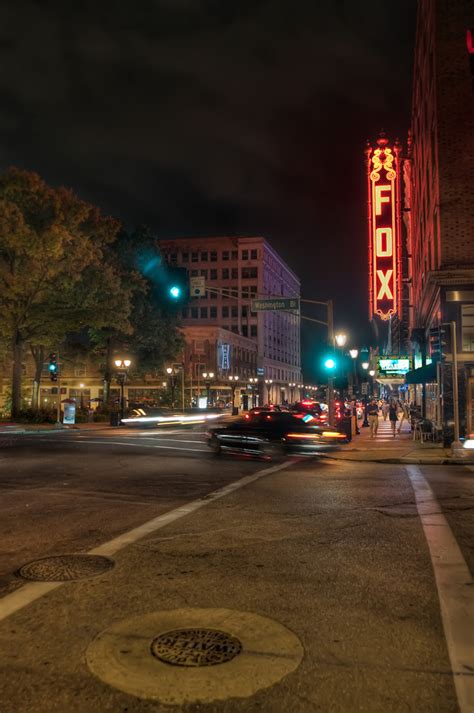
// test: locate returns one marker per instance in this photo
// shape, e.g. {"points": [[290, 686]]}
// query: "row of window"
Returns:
{"points": [[212, 312], [232, 273], [212, 255]]}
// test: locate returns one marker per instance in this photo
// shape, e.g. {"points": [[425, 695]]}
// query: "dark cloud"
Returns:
{"points": [[208, 116]]}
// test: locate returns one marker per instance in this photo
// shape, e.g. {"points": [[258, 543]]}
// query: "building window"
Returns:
{"points": [[244, 310], [194, 273], [244, 330], [213, 312], [203, 312], [213, 256], [235, 254], [253, 291], [204, 257], [225, 273], [213, 275], [212, 295], [235, 273], [234, 312], [468, 328], [245, 254], [225, 312], [194, 257], [185, 257], [253, 254], [249, 272], [204, 274], [194, 313], [225, 255]]}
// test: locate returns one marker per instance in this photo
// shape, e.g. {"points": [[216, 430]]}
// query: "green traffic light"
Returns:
{"points": [[329, 363], [175, 292]]}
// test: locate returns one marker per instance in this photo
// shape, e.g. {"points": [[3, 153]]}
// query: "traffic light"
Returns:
{"points": [[53, 367], [438, 340], [329, 363], [176, 285]]}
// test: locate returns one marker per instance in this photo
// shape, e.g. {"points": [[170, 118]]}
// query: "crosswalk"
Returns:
{"points": [[385, 433]]}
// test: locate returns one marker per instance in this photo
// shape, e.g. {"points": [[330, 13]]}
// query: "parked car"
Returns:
{"points": [[273, 433]]}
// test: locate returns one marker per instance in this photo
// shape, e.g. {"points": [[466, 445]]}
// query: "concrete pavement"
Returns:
{"points": [[329, 552]]}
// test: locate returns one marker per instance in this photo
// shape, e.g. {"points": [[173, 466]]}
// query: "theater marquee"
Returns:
{"points": [[383, 178]]}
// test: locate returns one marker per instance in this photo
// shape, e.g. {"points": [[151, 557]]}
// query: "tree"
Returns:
{"points": [[53, 275]]}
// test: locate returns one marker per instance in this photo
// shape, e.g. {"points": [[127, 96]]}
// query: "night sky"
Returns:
{"points": [[216, 117]]}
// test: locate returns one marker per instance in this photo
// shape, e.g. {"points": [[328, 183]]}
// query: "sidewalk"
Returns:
{"points": [[384, 448], [50, 427]]}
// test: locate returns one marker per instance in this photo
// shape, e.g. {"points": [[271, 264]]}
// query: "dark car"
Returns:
{"points": [[273, 433]]}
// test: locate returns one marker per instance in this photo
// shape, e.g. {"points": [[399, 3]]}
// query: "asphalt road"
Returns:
{"points": [[333, 553]]}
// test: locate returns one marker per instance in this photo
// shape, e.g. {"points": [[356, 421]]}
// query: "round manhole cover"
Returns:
{"points": [[195, 647], [65, 568]]}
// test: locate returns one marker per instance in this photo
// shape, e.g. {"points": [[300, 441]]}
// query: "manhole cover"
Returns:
{"points": [[195, 647], [64, 568]]}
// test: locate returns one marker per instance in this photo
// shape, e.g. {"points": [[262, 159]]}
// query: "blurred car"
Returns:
{"points": [[313, 408], [270, 434], [152, 417]]}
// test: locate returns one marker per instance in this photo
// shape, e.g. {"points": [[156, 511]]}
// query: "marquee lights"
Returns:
{"points": [[383, 177]]}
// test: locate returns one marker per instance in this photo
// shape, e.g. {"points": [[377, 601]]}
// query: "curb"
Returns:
{"points": [[404, 461]]}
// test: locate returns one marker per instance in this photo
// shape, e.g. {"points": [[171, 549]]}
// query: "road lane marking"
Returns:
{"points": [[455, 590], [20, 598], [113, 442]]}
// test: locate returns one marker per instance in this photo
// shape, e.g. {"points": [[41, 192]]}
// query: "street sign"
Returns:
{"points": [[275, 304], [260, 371], [197, 286]]}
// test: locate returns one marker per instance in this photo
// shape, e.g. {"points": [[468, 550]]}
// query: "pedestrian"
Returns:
{"points": [[393, 416], [373, 416], [405, 415], [385, 409]]}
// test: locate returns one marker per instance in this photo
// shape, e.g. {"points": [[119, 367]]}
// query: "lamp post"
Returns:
{"points": [[253, 380], [365, 366], [292, 391], [172, 382], [208, 376], [81, 386], [354, 353], [268, 384], [122, 366], [233, 385]]}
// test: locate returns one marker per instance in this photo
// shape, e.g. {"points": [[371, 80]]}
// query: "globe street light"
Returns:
{"points": [[292, 390], [365, 365], [340, 340], [268, 383], [354, 353], [172, 382], [208, 376], [122, 365], [253, 380], [233, 385]]}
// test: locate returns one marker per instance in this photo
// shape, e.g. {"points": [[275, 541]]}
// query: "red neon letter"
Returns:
{"points": [[383, 242], [380, 198], [385, 291]]}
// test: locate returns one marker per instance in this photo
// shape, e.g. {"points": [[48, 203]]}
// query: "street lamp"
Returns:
{"points": [[292, 390], [208, 376], [233, 385], [340, 340], [354, 353], [268, 384], [122, 366], [253, 380], [81, 386], [172, 382], [365, 365]]}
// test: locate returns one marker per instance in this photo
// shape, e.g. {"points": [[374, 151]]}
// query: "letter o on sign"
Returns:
{"points": [[384, 242]]}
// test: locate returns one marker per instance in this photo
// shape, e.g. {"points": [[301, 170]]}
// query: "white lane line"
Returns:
{"points": [[15, 601], [455, 588], [112, 442], [173, 440]]}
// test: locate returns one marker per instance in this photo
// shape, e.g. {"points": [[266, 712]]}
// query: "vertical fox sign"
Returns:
{"points": [[383, 179]]}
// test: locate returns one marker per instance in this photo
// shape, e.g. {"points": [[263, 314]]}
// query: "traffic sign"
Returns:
{"points": [[276, 304], [197, 286]]}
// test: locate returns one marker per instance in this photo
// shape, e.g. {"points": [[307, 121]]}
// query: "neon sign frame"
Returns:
{"points": [[384, 219]]}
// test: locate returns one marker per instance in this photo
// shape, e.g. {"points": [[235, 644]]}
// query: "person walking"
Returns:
{"points": [[393, 416], [385, 409], [373, 416], [405, 415]]}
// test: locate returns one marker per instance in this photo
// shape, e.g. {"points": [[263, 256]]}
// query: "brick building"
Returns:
{"points": [[440, 204], [237, 270]]}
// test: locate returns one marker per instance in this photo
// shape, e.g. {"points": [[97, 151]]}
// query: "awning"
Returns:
{"points": [[423, 375]]}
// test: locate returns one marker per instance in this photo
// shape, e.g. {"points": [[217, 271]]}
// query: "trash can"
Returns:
{"points": [[114, 418], [346, 427]]}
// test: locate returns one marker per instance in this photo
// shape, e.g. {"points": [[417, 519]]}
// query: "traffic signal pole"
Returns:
{"points": [[330, 325], [58, 404], [454, 350]]}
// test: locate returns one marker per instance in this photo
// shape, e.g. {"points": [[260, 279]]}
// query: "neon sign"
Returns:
{"points": [[383, 178]]}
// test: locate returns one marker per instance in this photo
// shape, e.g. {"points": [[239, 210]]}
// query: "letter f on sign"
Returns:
{"points": [[380, 198], [385, 292]]}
